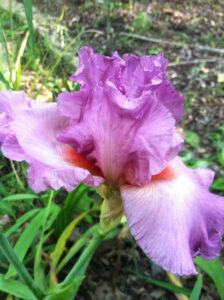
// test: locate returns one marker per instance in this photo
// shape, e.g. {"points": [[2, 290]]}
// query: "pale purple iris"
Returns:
{"points": [[120, 130]]}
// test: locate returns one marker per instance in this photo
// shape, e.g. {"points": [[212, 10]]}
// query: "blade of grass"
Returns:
{"points": [[56, 63], [215, 270], [59, 248], [17, 72], [38, 270], [18, 76], [20, 197], [21, 221], [83, 261], [29, 18], [12, 258], [70, 204], [26, 239], [22, 49], [16, 175], [76, 247], [27, 64], [4, 42], [197, 288], [3, 190], [15, 288], [3, 79], [165, 285], [67, 292], [134, 255], [81, 243], [11, 22], [4, 207], [54, 214]]}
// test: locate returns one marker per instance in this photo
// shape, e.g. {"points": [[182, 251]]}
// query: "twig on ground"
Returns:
{"points": [[16, 175], [168, 42], [99, 32], [192, 62]]}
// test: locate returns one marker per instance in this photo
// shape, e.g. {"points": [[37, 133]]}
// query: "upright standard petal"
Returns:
{"points": [[94, 67], [28, 132], [118, 118], [125, 147], [174, 217]]}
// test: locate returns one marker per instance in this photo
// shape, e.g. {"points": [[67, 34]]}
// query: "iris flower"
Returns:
{"points": [[119, 132]]}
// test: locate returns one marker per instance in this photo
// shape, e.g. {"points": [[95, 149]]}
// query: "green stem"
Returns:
{"points": [[10, 255], [37, 261], [84, 258]]}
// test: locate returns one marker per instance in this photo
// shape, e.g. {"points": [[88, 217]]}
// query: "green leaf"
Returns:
{"points": [[4, 208], [21, 221], [190, 97], [15, 288], [67, 212], [38, 266], [77, 246], [29, 18], [164, 285], [60, 246], [13, 259], [19, 197], [3, 190], [67, 292], [192, 139], [26, 239], [154, 51], [215, 270], [4, 43], [218, 184], [202, 163], [82, 263], [55, 211], [197, 288], [187, 156], [2, 79], [3, 260], [220, 156]]}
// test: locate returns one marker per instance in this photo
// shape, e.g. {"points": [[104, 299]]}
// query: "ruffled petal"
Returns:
{"points": [[177, 144], [126, 146], [174, 218], [32, 127], [93, 67], [168, 96], [12, 149], [151, 145], [42, 177], [148, 73], [205, 176], [70, 104], [123, 119]]}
